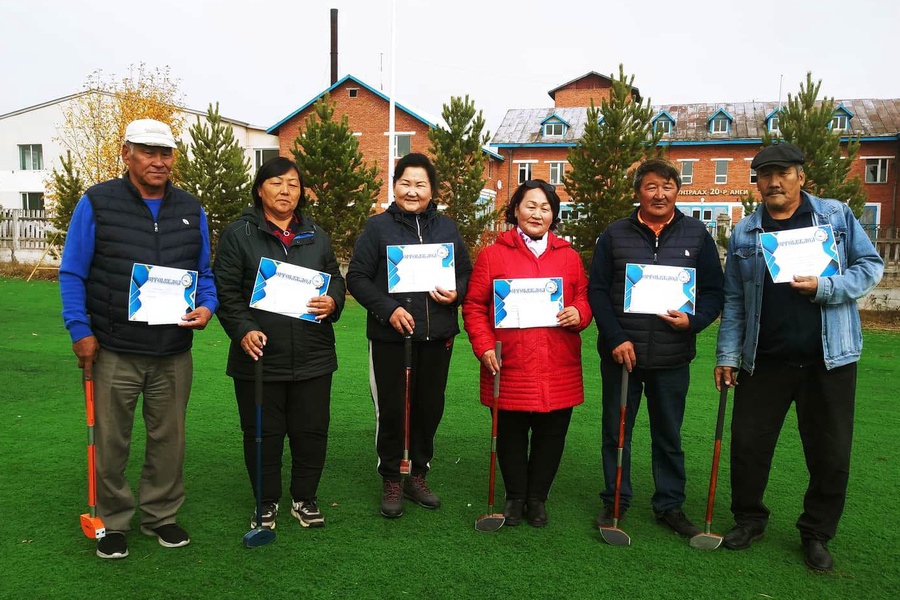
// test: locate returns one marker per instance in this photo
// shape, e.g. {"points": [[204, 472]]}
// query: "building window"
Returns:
{"points": [[752, 175], [721, 172], [663, 126], [719, 125], [402, 145], [557, 171], [31, 157], [773, 125], [839, 122], [33, 200], [876, 170], [687, 172], [703, 214], [353, 92], [554, 129], [567, 212], [524, 172], [264, 154]]}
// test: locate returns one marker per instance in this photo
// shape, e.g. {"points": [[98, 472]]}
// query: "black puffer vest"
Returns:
{"points": [[656, 345], [126, 234]]}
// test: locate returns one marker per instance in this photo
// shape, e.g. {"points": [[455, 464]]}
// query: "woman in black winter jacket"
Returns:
{"points": [[429, 317], [299, 353]]}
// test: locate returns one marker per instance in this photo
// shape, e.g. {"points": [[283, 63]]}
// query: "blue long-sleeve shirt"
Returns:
{"points": [[79, 254]]}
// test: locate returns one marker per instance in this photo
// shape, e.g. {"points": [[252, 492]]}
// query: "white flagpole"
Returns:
{"points": [[391, 124]]}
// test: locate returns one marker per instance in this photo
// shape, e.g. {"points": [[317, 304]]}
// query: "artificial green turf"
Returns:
{"points": [[437, 554]]}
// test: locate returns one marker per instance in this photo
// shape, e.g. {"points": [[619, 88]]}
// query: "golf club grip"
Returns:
{"points": [[498, 346], [623, 393], [89, 404]]}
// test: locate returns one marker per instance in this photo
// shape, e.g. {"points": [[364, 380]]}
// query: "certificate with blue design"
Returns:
{"points": [[160, 295], [804, 251], [527, 302], [655, 289], [286, 289], [421, 267]]}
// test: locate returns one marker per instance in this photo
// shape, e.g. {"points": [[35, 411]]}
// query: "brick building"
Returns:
{"points": [[367, 112], [712, 143]]}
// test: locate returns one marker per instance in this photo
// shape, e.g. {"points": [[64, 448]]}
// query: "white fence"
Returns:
{"points": [[24, 235]]}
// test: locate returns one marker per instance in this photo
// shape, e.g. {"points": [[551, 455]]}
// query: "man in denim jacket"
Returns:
{"points": [[795, 342]]}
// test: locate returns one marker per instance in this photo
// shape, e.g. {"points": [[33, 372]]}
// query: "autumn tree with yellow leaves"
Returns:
{"points": [[94, 122]]}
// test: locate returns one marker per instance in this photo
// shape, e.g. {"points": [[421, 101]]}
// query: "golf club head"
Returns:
{"points": [[258, 537], [706, 541], [615, 536], [489, 522], [405, 466], [93, 527]]}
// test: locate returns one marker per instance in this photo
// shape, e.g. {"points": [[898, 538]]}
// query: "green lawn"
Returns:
{"points": [[430, 554]]}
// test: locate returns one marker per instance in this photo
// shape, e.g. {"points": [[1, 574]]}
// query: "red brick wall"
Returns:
{"points": [[575, 97], [367, 114]]}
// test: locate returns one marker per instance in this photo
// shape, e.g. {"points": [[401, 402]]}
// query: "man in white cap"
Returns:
{"points": [[138, 219], [796, 341]]}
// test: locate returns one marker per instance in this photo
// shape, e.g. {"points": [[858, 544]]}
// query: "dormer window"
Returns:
{"points": [[663, 123], [841, 119], [554, 129], [772, 120], [720, 122], [554, 126]]}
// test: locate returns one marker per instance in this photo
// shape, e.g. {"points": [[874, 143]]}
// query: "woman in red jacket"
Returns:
{"points": [[540, 378]]}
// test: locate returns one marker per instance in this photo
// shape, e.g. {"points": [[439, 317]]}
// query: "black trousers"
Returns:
{"points": [[387, 379], [825, 403], [299, 409], [527, 472]]}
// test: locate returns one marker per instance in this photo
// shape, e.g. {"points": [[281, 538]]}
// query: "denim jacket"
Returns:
{"points": [[745, 270]]}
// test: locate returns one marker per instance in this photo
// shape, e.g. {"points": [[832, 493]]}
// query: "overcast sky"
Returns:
{"points": [[262, 60]]}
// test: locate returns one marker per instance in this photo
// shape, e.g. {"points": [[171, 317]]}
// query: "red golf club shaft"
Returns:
{"points": [[717, 450], [91, 452], [623, 403]]}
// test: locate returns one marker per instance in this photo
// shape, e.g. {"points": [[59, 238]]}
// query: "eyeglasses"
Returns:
{"points": [[537, 183]]}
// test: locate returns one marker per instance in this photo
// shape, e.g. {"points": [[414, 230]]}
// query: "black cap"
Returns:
{"points": [[780, 155]]}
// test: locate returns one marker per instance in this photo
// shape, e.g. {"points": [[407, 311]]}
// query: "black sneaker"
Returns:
{"points": [[112, 545], [269, 514], [392, 499], [307, 512], [675, 519], [606, 518], [170, 536], [417, 490]]}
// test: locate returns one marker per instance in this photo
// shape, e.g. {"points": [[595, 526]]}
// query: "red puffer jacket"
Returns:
{"points": [[541, 366]]}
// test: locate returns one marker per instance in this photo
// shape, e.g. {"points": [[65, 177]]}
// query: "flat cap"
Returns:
{"points": [[780, 155]]}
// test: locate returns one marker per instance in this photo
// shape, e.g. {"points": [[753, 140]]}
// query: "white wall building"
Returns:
{"points": [[29, 150]]}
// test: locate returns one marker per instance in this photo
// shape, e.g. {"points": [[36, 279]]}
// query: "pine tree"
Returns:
{"points": [[617, 135], [67, 187], [213, 168], [459, 162], [340, 187], [806, 123]]}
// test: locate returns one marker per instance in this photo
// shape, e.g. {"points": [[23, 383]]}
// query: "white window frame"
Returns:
{"points": [[666, 126], [721, 178], [557, 172], [840, 122], [259, 154], [554, 125], [716, 124], [689, 178], [881, 165], [27, 156], [397, 136], [524, 171], [27, 197], [353, 92], [773, 125]]}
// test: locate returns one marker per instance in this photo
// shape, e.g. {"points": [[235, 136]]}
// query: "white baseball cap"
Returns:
{"points": [[150, 132]]}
